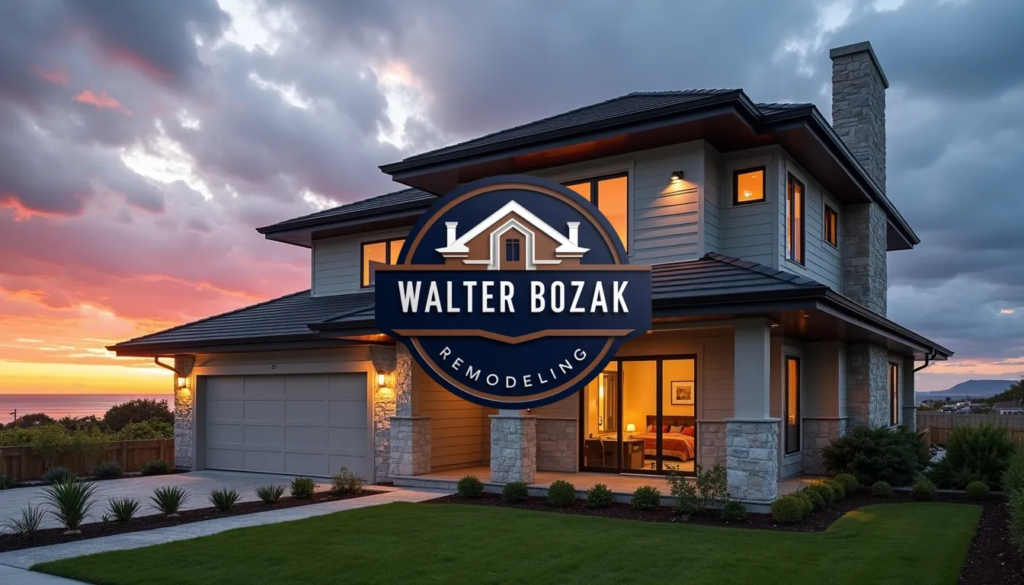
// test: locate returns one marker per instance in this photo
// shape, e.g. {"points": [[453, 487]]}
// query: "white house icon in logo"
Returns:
{"points": [[512, 238]]}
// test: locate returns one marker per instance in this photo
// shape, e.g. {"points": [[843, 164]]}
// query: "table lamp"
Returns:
{"points": [[630, 428]]}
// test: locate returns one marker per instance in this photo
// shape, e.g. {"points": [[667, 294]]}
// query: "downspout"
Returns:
{"points": [[927, 360], [156, 360]]}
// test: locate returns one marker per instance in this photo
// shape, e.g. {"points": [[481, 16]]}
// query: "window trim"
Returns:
{"points": [[894, 389], [791, 218], [595, 196], [824, 233], [785, 405], [387, 256], [736, 185]]}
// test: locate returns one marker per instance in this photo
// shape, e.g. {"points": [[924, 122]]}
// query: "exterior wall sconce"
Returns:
{"points": [[678, 175], [382, 384], [182, 382], [382, 380]]}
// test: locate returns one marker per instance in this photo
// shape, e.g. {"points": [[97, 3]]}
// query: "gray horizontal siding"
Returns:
{"points": [[336, 267], [822, 261], [748, 231]]}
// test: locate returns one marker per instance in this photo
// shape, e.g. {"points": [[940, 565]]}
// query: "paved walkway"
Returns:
{"points": [[23, 559], [198, 484]]}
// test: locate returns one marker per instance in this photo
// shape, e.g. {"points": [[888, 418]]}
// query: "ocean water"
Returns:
{"points": [[61, 405]]}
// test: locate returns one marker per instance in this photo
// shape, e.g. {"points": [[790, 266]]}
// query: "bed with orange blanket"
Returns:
{"points": [[678, 438]]}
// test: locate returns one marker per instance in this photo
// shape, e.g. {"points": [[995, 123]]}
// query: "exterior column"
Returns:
{"points": [[868, 385], [513, 447], [409, 435], [908, 401], [184, 413], [752, 437]]}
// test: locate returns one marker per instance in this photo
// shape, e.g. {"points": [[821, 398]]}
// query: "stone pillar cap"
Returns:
{"points": [[861, 47]]}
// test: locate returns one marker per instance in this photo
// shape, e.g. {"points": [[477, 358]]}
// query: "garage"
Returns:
{"points": [[301, 424]]}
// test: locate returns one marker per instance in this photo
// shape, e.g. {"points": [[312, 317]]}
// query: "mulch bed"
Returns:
{"points": [[990, 560], [9, 542]]}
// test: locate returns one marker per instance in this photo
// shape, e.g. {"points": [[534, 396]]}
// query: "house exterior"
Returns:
{"points": [[767, 230], [1008, 407]]}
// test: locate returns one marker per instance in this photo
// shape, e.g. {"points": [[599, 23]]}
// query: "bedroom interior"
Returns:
{"points": [[639, 416]]}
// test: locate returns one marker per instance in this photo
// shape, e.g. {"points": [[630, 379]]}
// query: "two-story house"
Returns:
{"points": [[768, 231]]}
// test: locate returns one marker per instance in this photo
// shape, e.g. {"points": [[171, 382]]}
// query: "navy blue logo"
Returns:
{"points": [[513, 292]]}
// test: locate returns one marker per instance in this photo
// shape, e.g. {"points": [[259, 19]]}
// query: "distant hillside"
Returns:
{"points": [[972, 388]]}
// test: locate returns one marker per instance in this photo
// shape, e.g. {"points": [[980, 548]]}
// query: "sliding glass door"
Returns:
{"points": [[639, 416]]}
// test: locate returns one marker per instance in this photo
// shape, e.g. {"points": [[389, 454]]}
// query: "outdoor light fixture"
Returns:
{"points": [[678, 175], [381, 380], [630, 428], [182, 382]]}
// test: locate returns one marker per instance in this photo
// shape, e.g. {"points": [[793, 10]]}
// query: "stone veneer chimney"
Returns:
{"points": [[858, 117]]}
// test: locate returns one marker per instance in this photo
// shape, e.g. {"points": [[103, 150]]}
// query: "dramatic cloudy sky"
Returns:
{"points": [[141, 143]]}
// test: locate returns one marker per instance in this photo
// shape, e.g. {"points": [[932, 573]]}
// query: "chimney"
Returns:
{"points": [[451, 225], [858, 106], [574, 232]]}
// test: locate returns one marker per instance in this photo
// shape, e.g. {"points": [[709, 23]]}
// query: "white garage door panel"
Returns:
{"points": [[295, 424]]}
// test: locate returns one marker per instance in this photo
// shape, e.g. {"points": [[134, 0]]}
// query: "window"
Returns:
{"points": [[792, 405], [748, 186], [830, 227], [512, 250], [611, 196], [894, 394], [376, 253], [795, 220]]}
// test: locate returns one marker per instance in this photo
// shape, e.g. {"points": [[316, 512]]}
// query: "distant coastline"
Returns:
{"points": [[61, 405]]}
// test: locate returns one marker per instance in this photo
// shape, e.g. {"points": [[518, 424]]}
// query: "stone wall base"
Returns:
{"points": [[712, 439], [817, 433], [752, 460], [557, 448], [910, 418], [410, 445], [513, 448]]}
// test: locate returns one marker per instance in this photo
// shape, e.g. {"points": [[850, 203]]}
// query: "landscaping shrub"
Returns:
{"points": [[1015, 505], [58, 475], [156, 467], [49, 443], [27, 525], [7, 481], [303, 488], [880, 454], [108, 470], [72, 500], [470, 487], [977, 490], [1013, 478], [697, 494], [787, 509], [561, 493], [147, 430], [88, 445], [646, 498], [838, 488], [136, 411], [980, 453], [805, 501], [123, 509], [825, 491], [346, 482], [169, 500], [924, 489], [514, 492], [817, 501], [881, 489], [269, 493], [734, 511], [599, 496], [849, 481], [224, 499]]}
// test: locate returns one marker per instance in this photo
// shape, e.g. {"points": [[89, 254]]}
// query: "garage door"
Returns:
{"points": [[292, 424]]}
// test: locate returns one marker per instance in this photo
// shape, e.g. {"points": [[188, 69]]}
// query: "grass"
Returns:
{"points": [[423, 544]]}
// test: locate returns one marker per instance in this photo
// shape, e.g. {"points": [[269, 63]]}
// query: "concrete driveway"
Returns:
{"points": [[198, 484]]}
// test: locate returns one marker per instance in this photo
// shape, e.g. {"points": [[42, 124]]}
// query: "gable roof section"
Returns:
{"points": [[411, 199]]}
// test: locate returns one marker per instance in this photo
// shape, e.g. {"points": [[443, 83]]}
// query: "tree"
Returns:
{"points": [[89, 445], [33, 420], [1014, 393], [49, 443], [138, 410]]}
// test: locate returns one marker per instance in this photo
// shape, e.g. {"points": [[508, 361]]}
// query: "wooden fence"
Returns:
{"points": [[940, 424], [21, 463]]}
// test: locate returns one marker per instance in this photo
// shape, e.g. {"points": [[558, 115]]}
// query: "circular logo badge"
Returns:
{"points": [[513, 292]]}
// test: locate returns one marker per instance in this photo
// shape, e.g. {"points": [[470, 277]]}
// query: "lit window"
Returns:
{"points": [[792, 406], [894, 394], [830, 228], [512, 250], [748, 186], [795, 220], [377, 253], [611, 196]]}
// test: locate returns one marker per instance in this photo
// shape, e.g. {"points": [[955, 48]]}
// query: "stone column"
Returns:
{"points": [[751, 436], [711, 436], [409, 435], [184, 413], [513, 447], [867, 385]]}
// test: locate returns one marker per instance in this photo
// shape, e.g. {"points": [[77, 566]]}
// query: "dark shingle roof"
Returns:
{"points": [[286, 316], [395, 200], [717, 275]]}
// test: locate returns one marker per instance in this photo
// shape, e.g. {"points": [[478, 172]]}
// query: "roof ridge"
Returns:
{"points": [[204, 319]]}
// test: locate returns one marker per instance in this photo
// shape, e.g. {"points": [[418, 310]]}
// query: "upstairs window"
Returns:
{"points": [[611, 195], [376, 253], [748, 186], [512, 250], [894, 394], [830, 226], [795, 220]]}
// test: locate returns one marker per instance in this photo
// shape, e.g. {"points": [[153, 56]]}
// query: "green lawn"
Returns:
{"points": [[417, 543]]}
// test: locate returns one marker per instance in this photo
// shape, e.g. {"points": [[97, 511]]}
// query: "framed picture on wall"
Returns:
{"points": [[681, 392]]}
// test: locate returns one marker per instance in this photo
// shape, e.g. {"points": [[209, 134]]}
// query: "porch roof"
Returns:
{"points": [[716, 287]]}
